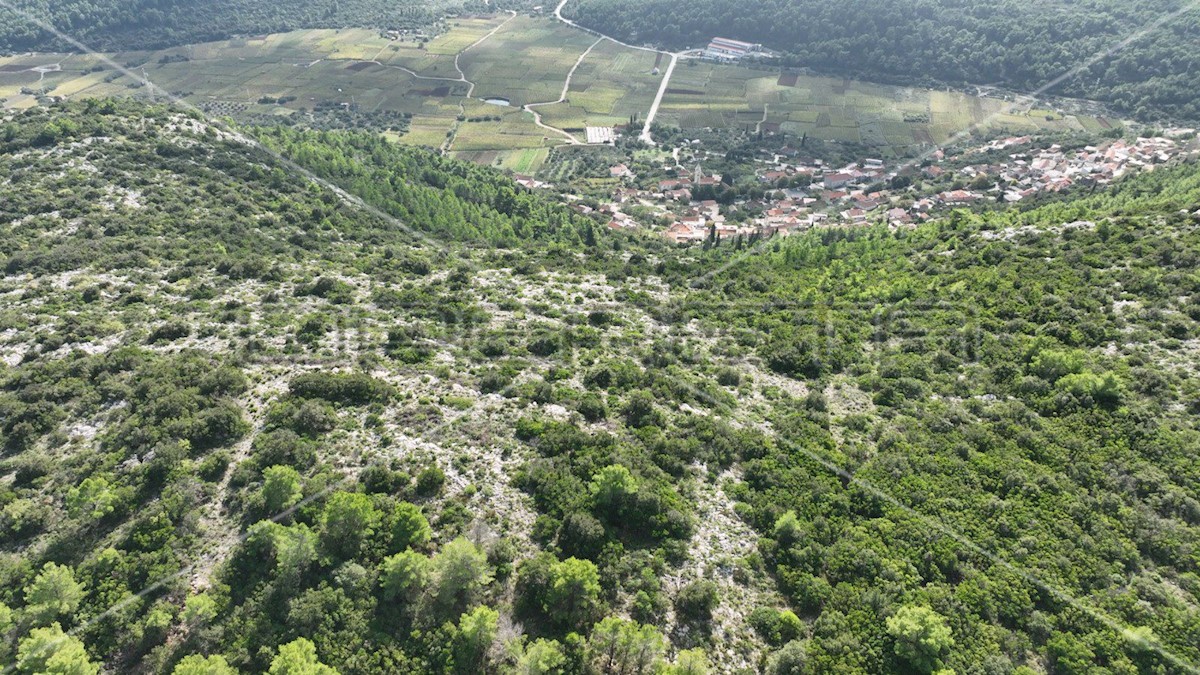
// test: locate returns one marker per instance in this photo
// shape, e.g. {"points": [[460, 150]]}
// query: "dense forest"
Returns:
{"points": [[1011, 43], [107, 25], [249, 425]]}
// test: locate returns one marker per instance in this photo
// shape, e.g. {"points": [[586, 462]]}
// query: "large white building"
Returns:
{"points": [[724, 49]]}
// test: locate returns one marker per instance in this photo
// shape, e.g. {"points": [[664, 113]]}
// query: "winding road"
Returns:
{"points": [[646, 136], [537, 117]]}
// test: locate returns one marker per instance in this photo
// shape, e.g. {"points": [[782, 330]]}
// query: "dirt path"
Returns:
{"points": [[537, 117], [646, 136], [759, 127], [462, 77], [558, 15]]}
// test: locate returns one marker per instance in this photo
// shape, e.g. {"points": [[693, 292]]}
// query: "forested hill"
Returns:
{"points": [[109, 25], [1012, 43]]}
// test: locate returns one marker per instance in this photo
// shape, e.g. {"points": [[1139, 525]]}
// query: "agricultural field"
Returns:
{"points": [[612, 84], [435, 57], [896, 119], [493, 127], [523, 60]]}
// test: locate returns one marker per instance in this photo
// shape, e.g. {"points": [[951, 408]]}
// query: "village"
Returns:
{"points": [[800, 193]]}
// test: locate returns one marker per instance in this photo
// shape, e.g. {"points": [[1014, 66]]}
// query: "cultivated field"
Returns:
{"points": [[611, 84], [895, 119], [524, 60]]}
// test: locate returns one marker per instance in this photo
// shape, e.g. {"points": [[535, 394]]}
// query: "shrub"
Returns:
{"points": [[342, 388], [168, 332], [592, 407], [493, 381], [775, 626], [640, 412], [581, 535], [729, 377], [430, 481], [696, 602], [283, 447]]}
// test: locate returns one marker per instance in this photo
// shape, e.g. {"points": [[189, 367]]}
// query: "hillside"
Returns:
{"points": [[1019, 45], [107, 25], [367, 406]]}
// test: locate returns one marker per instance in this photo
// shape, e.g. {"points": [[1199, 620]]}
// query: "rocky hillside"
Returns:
{"points": [[274, 399]]}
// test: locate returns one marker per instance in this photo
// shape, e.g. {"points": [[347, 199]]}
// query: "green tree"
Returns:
{"points": [[622, 646], [460, 572], [922, 636], [93, 499], [791, 660], [404, 576], [541, 657], [574, 594], [299, 657], [199, 609], [203, 665], [410, 529], [1071, 654], [788, 531], [689, 662], [476, 632], [611, 487], [348, 523], [50, 651], [53, 594], [6, 623], [281, 488]]}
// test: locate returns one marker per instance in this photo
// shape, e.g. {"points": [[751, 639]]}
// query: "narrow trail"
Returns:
{"points": [[759, 127], [537, 117], [412, 73]]}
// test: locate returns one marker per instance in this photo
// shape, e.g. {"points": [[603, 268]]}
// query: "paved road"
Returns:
{"points": [[646, 136]]}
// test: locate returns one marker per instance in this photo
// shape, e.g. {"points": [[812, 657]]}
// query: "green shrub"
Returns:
{"points": [[341, 388]]}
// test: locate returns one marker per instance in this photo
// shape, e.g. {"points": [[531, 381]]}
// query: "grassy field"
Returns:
{"points": [[524, 60]]}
